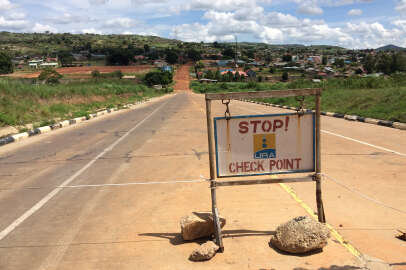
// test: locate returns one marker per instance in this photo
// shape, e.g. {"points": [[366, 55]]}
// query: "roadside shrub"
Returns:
{"points": [[158, 77], [6, 66], [260, 78], [251, 85], [49, 76], [118, 74], [285, 76], [96, 74]]}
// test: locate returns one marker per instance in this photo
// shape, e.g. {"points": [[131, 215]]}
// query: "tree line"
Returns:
{"points": [[387, 63]]}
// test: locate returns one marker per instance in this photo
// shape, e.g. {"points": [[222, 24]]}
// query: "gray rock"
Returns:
{"points": [[198, 225], [204, 252], [300, 235]]}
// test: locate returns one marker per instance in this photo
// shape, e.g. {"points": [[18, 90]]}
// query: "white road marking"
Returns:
{"points": [[50, 195], [364, 143], [135, 183], [354, 140]]}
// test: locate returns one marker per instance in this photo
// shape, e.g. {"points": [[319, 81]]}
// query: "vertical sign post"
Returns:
{"points": [[217, 228]]}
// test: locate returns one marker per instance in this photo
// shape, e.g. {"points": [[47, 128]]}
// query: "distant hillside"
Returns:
{"points": [[49, 43], [390, 48]]}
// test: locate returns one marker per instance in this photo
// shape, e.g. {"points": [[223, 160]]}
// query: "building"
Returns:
{"points": [[166, 68], [35, 63], [51, 64]]}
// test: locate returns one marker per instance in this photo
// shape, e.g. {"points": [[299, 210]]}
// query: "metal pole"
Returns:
{"points": [[217, 227], [319, 200]]}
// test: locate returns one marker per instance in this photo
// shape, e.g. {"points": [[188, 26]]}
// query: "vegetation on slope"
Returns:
{"points": [[22, 102], [381, 98]]}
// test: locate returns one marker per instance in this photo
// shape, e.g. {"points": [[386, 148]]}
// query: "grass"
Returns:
{"points": [[22, 102], [380, 98]]}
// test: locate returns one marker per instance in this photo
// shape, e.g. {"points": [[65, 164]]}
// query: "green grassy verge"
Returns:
{"points": [[22, 102], [381, 98]]}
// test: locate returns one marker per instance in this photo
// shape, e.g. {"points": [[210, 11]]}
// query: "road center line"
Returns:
{"points": [[50, 195], [354, 140]]}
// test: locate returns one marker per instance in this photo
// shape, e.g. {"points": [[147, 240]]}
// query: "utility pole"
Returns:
{"points": [[236, 54]]}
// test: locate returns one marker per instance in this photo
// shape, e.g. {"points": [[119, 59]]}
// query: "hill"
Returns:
{"points": [[390, 47]]}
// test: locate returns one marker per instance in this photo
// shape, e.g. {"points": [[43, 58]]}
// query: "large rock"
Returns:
{"points": [[204, 252], [300, 235], [198, 225]]}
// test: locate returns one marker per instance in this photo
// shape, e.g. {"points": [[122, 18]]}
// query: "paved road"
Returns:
{"points": [[136, 226]]}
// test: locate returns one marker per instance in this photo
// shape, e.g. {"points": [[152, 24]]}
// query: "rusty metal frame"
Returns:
{"points": [[210, 136]]}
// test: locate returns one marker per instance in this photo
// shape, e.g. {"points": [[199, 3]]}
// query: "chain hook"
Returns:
{"points": [[300, 111], [227, 113]]}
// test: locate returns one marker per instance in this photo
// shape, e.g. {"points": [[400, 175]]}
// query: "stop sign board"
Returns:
{"points": [[265, 144]]}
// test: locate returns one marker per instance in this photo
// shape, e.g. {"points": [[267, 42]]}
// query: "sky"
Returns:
{"points": [[353, 24]]}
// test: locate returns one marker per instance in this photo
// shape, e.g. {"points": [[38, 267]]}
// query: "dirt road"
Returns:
{"points": [[182, 78], [96, 225]]}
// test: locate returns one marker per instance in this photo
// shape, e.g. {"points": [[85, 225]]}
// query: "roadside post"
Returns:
{"points": [[258, 145]]}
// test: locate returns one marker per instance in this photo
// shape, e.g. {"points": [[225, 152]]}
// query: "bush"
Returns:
{"points": [[118, 74], [50, 76], [158, 77], [96, 74], [285, 76], [6, 66]]}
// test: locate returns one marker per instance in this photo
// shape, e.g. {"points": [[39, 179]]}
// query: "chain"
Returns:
{"points": [[227, 113], [300, 109]]}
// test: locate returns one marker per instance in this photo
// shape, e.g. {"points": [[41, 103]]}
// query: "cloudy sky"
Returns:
{"points": [[347, 23]]}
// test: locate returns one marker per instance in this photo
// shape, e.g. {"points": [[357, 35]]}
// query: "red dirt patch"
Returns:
{"points": [[87, 70], [182, 78]]}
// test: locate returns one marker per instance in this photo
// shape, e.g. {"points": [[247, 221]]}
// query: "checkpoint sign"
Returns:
{"points": [[265, 144]]}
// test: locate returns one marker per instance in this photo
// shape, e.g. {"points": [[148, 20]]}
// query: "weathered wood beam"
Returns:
{"points": [[263, 181]]}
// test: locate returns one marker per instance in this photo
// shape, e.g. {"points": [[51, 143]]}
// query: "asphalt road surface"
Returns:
{"points": [[162, 145]]}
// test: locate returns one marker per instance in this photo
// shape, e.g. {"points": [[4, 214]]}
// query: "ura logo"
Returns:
{"points": [[264, 146]]}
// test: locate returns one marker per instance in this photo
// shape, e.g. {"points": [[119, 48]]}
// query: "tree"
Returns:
{"points": [[229, 52], [194, 55], [324, 60], [369, 64], [384, 63], [339, 63], [96, 74], [65, 58], [119, 57], [6, 66], [171, 57], [287, 58], [154, 78], [217, 75], [146, 48], [285, 76], [210, 74], [50, 76]]}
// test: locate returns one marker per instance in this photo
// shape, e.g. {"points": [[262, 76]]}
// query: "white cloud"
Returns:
{"points": [[401, 6], [12, 24], [5, 5], [271, 35], [223, 5], [68, 18], [98, 2], [16, 15], [310, 9], [40, 28], [355, 12], [120, 22], [91, 31]]}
